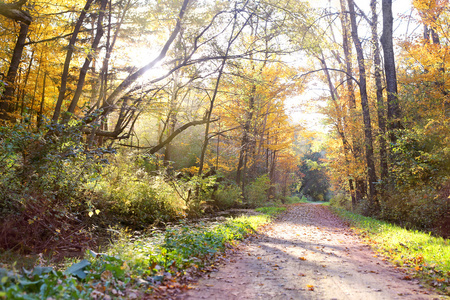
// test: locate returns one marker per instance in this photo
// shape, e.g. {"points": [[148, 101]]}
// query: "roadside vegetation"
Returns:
{"points": [[133, 266], [422, 255]]}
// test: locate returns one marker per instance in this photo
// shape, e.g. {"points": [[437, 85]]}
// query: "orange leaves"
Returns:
{"points": [[302, 258], [310, 287]]}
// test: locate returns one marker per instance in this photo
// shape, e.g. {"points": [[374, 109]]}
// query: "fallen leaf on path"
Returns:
{"points": [[310, 287], [302, 258]]}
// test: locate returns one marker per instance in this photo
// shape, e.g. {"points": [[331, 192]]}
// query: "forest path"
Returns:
{"points": [[306, 253]]}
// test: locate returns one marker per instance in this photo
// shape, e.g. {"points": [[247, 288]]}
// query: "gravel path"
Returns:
{"points": [[307, 253]]}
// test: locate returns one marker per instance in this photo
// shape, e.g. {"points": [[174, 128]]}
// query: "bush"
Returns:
{"points": [[228, 196], [414, 208], [43, 178], [137, 198], [340, 200], [256, 193]]}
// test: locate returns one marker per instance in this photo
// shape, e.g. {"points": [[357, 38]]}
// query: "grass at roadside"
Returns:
{"points": [[133, 265], [424, 256], [271, 211]]}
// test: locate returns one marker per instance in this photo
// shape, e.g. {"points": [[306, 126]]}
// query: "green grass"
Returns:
{"points": [[132, 264], [271, 211], [424, 256]]}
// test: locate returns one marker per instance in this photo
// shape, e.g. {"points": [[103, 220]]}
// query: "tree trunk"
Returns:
{"points": [[368, 139], [65, 73], [8, 95], [354, 144], [87, 62], [393, 108], [40, 115], [380, 101]]}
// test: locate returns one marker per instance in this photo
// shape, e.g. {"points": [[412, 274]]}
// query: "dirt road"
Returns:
{"points": [[307, 253]]}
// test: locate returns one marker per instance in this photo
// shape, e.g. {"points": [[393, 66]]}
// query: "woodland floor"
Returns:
{"points": [[306, 253]]}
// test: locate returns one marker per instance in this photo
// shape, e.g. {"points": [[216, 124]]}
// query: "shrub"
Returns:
{"points": [[340, 200], [228, 196], [256, 192], [42, 182], [137, 198]]}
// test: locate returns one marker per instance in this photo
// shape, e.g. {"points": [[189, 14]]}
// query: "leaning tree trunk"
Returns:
{"points": [[340, 127], [368, 139]]}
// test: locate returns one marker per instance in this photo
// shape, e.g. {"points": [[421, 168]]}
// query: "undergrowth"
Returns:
{"points": [[421, 254], [133, 266]]}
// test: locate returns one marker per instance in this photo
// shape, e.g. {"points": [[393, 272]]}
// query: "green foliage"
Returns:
{"points": [[43, 176], [132, 193], [421, 156], [202, 189], [271, 210], [121, 270], [418, 208], [340, 200], [419, 173], [228, 196], [56, 166], [315, 182], [256, 192], [426, 256], [2, 87]]}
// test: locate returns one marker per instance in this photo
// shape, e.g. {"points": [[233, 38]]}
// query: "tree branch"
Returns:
{"points": [[14, 12]]}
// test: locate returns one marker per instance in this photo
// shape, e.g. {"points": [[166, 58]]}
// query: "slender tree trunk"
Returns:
{"points": [[393, 108], [354, 146], [340, 128], [380, 100], [6, 100], [245, 143], [65, 73], [209, 113], [41, 107], [25, 83], [87, 62], [172, 116], [368, 139]]}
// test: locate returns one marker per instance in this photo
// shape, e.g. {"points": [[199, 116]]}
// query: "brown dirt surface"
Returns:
{"points": [[306, 253]]}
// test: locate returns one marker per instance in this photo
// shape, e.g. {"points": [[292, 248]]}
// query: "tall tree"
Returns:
{"points": [[368, 138], [379, 93], [352, 142], [393, 107], [14, 12], [70, 51]]}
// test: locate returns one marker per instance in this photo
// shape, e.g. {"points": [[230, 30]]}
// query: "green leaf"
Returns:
{"points": [[27, 282], [77, 269], [41, 270]]}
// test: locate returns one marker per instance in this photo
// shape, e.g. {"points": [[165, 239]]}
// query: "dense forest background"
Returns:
{"points": [[143, 112]]}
